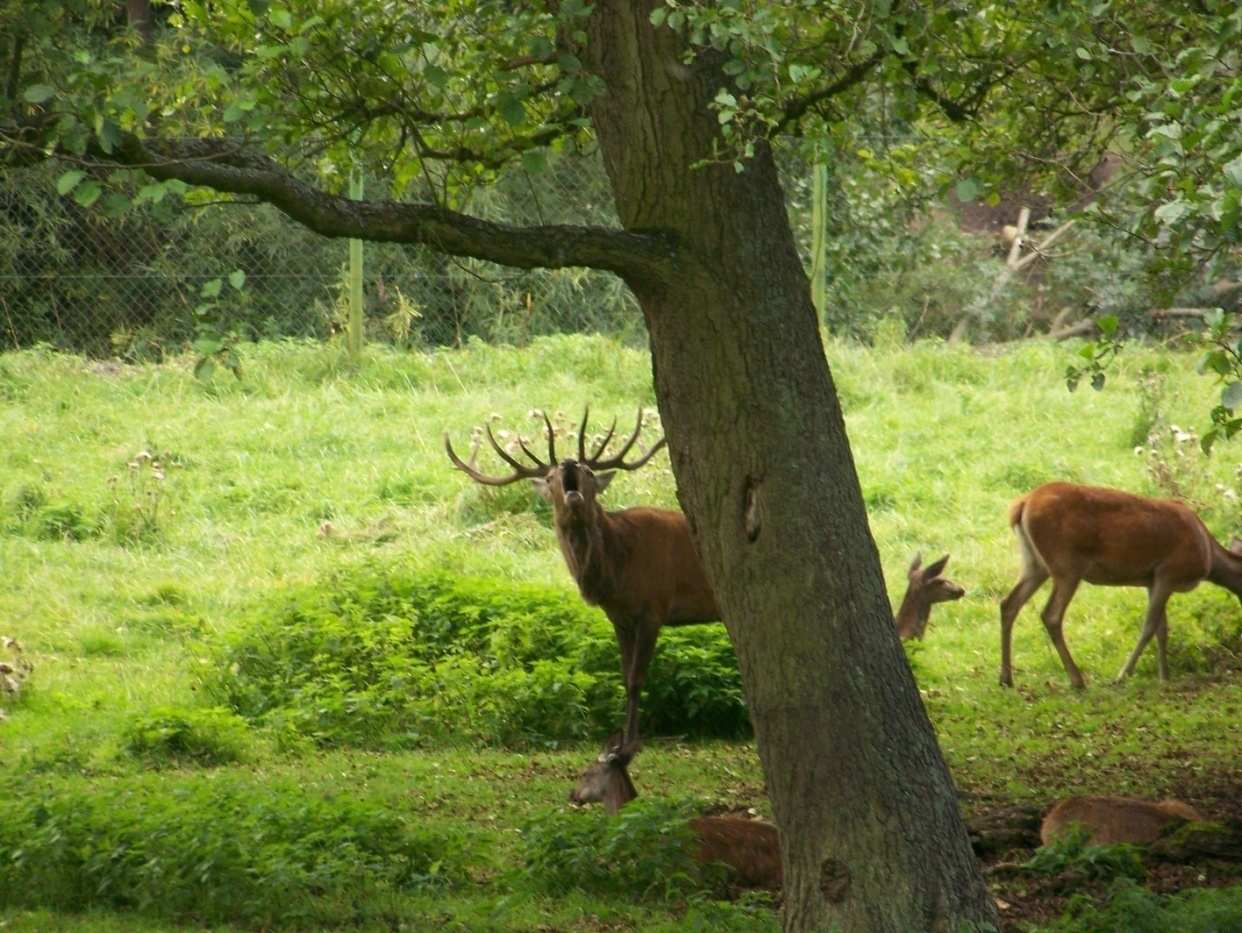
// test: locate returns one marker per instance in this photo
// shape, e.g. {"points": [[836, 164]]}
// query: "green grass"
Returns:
{"points": [[121, 586]]}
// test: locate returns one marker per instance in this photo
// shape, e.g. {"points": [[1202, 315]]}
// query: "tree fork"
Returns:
{"points": [[872, 838]]}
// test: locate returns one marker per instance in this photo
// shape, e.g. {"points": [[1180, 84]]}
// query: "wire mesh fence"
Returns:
{"points": [[77, 279]]}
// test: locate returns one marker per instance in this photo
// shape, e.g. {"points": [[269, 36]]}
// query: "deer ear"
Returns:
{"points": [[915, 564], [541, 486], [1236, 546], [602, 480], [936, 569]]}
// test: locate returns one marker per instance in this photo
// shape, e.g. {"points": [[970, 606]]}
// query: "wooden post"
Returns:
{"points": [[355, 275], [819, 237]]}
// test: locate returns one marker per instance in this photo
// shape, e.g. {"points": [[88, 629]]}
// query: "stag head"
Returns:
{"points": [[571, 485]]}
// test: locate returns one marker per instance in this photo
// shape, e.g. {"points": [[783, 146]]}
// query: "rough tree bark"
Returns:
{"points": [[871, 832]]}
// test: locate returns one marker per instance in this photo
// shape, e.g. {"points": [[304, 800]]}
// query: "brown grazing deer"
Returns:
{"points": [[638, 565], [1074, 533], [926, 588]]}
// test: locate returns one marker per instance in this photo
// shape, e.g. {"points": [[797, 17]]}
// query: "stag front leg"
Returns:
{"points": [[1155, 623], [640, 660]]}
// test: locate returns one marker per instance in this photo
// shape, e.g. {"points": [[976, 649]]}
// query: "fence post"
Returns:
{"points": [[819, 237], [355, 274]]}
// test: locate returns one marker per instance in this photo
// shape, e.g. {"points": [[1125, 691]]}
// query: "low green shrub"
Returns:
{"points": [[239, 849], [1070, 852], [389, 657], [62, 521], [646, 852], [169, 737], [1134, 909]]}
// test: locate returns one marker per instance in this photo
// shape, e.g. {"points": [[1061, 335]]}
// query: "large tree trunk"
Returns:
{"points": [[872, 837]]}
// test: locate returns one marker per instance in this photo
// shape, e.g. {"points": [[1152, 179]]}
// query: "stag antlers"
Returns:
{"points": [[540, 469]]}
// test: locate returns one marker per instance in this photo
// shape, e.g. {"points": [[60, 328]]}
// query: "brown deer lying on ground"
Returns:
{"points": [[751, 848], [1115, 819], [638, 565], [926, 588], [1074, 533]]}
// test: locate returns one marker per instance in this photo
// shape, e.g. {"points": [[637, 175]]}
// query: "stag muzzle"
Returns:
{"points": [[570, 483]]}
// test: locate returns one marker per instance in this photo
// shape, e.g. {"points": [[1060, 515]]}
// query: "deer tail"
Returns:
{"points": [[1015, 511]]}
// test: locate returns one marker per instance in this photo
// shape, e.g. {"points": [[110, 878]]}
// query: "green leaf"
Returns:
{"points": [[280, 17], [212, 289], [208, 346], [1108, 324], [1171, 213], [68, 181], [658, 16], [88, 192], [153, 192], [511, 109], [1083, 54], [535, 160], [38, 93], [237, 278], [1097, 381], [114, 204], [967, 190], [108, 133], [1231, 396], [1233, 171]]}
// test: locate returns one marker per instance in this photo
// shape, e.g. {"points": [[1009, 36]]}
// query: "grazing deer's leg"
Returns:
{"points": [[1162, 645], [644, 647], [1054, 613], [1157, 598], [1033, 578]]}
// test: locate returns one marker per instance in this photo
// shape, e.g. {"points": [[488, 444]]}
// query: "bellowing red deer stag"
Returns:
{"points": [[926, 588], [638, 564], [1074, 533]]}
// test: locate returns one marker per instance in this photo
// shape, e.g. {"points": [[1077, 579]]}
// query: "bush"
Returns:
{"points": [[391, 657], [646, 852], [1070, 852], [229, 849], [1133, 909], [171, 737]]}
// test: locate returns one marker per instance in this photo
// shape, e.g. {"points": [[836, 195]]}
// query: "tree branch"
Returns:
{"points": [[214, 164], [797, 109]]}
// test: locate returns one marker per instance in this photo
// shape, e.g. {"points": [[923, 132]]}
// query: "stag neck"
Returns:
{"points": [[585, 543], [1226, 569], [912, 616]]}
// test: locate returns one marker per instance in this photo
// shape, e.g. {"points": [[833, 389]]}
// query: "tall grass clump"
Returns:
{"points": [[644, 853], [390, 657], [169, 737], [232, 848]]}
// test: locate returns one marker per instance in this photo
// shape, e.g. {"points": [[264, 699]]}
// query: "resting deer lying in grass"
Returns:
{"points": [[926, 588], [1075, 533], [638, 565], [1115, 819]]}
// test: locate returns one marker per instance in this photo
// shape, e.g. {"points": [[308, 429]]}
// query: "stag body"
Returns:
{"points": [[638, 564], [1074, 533]]}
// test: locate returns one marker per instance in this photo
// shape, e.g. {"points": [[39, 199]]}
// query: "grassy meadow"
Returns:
{"points": [[176, 560]]}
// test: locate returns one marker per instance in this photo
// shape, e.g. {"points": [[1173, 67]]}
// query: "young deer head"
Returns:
{"points": [[926, 588]]}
